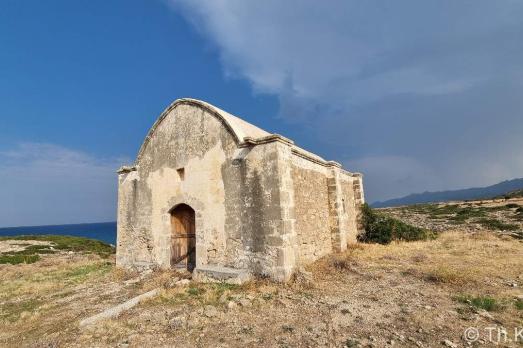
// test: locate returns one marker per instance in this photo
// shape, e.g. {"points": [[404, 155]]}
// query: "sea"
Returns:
{"points": [[104, 231]]}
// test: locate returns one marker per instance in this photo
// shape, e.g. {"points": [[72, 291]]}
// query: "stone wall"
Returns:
{"points": [[311, 209], [359, 200], [326, 208], [265, 213], [242, 196], [350, 207], [187, 138]]}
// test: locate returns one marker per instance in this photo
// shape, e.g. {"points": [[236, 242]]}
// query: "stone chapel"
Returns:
{"points": [[226, 200]]}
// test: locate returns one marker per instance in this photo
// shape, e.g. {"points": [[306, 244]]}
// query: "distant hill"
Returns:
{"points": [[511, 187]]}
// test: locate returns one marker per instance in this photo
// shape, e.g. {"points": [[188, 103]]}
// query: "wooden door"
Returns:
{"points": [[183, 238]]}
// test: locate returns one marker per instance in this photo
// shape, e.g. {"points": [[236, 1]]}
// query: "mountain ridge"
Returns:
{"points": [[491, 191]]}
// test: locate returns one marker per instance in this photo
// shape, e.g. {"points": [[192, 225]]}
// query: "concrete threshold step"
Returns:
{"points": [[214, 273]]}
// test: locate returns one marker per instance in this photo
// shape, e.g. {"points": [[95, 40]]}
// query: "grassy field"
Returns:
{"points": [[415, 294], [27, 251]]}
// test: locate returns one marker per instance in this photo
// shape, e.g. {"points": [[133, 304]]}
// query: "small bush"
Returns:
{"points": [[481, 302], [383, 229], [465, 213], [519, 210], [512, 205], [18, 258], [494, 224], [519, 304], [339, 263], [222, 287], [194, 291], [287, 328], [352, 343], [517, 217]]}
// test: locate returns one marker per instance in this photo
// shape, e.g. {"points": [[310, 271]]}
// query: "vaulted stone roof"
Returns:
{"points": [[241, 128], [245, 134]]}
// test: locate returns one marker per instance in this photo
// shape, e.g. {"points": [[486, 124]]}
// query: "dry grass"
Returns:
{"points": [[216, 294], [44, 278], [470, 270], [369, 283], [459, 259], [50, 297]]}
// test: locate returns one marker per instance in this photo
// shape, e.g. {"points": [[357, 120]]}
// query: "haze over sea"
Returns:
{"points": [[104, 231]]}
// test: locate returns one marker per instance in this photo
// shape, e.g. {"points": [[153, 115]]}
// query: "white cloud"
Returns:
{"points": [[336, 49], [50, 184], [416, 81]]}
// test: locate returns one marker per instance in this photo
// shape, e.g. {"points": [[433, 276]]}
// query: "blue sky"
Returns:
{"points": [[416, 95]]}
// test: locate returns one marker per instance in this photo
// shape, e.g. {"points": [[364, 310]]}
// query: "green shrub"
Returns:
{"points": [[512, 205], [194, 291], [482, 302], [18, 258], [383, 229], [463, 214], [494, 224], [519, 304]]}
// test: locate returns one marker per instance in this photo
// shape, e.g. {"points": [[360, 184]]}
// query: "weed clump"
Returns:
{"points": [[194, 291], [447, 274], [339, 263], [383, 229], [480, 302]]}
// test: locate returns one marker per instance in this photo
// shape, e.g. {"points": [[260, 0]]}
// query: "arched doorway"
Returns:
{"points": [[183, 237]]}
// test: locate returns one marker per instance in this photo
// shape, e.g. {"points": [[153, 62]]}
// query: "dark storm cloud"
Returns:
{"points": [[415, 94]]}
